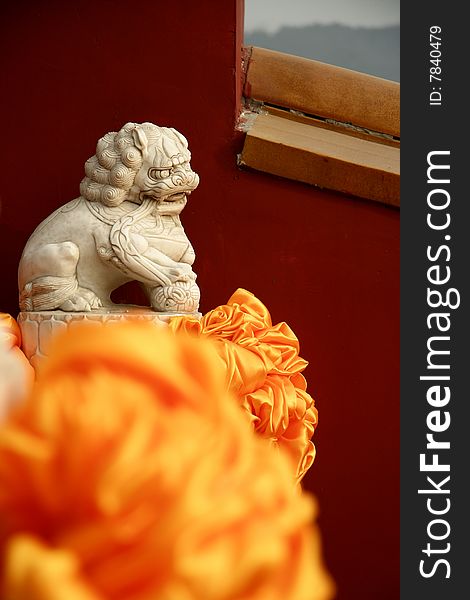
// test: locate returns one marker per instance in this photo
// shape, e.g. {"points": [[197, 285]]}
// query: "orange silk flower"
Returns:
{"points": [[264, 370], [16, 374], [130, 473]]}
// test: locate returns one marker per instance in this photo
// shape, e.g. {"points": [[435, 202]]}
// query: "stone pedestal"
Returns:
{"points": [[38, 327]]}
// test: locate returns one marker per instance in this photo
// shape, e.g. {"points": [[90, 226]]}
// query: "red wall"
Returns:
{"points": [[326, 264]]}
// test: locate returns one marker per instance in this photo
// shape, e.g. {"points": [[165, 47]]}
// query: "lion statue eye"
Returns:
{"points": [[159, 173]]}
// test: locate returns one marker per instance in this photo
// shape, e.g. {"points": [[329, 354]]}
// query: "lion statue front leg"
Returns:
{"points": [[173, 288]]}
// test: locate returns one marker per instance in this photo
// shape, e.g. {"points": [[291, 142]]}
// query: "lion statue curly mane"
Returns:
{"points": [[124, 226]]}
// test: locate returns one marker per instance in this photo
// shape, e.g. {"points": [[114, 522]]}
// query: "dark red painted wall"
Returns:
{"points": [[328, 265]]}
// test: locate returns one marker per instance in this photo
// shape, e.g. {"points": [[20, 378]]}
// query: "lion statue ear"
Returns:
{"points": [[140, 139]]}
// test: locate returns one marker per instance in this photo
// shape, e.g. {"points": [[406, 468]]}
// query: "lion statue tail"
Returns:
{"points": [[47, 293]]}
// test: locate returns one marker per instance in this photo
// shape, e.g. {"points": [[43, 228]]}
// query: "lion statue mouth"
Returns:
{"points": [[171, 204], [176, 197]]}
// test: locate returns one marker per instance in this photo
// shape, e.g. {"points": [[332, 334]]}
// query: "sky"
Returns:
{"points": [[271, 15]]}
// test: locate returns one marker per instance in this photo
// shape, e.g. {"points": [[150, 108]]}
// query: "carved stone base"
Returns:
{"points": [[38, 327]]}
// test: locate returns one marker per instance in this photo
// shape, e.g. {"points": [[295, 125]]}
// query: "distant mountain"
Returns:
{"points": [[370, 50]]}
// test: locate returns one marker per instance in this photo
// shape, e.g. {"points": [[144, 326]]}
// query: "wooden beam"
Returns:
{"points": [[323, 157], [323, 90]]}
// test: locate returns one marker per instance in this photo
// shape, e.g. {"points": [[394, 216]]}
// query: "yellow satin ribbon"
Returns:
{"points": [[16, 374], [263, 369], [130, 472], [10, 334]]}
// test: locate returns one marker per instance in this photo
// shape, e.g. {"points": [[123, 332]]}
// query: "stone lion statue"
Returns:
{"points": [[124, 226]]}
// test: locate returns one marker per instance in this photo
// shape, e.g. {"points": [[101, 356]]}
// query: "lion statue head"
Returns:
{"points": [[137, 162]]}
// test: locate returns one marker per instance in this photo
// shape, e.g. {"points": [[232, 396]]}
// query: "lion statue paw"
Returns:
{"points": [[82, 300]]}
